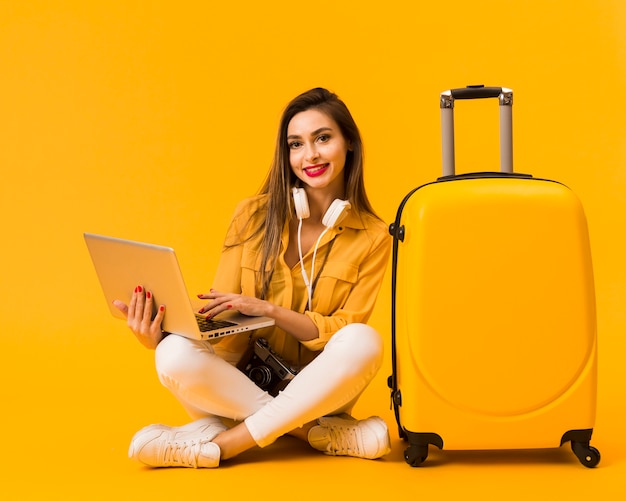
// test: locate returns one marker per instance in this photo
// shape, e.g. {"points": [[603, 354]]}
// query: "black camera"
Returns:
{"points": [[266, 369]]}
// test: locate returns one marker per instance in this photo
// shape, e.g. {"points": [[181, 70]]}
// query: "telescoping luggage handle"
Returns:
{"points": [[447, 98]]}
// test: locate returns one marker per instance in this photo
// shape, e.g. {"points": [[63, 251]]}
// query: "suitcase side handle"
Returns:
{"points": [[446, 103]]}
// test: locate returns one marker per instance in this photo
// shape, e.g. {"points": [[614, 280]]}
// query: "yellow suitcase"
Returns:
{"points": [[493, 309]]}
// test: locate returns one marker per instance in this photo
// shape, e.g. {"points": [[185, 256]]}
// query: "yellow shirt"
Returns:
{"points": [[347, 279]]}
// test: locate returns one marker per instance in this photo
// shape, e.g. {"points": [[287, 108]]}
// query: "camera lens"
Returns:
{"points": [[261, 375]]}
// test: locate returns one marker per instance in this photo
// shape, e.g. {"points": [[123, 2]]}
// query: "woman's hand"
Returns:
{"points": [[247, 305], [297, 324], [139, 317]]}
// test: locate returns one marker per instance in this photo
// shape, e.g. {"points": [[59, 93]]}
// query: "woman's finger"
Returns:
{"points": [[131, 306], [146, 314], [140, 300], [158, 319], [217, 298], [120, 305]]}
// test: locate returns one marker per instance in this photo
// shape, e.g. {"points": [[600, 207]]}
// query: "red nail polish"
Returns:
{"points": [[136, 289], [229, 306], [201, 310], [139, 288], [161, 308], [149, 295]]}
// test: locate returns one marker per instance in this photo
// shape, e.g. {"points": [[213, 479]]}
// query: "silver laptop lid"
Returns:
{"points": [[121, 265]]}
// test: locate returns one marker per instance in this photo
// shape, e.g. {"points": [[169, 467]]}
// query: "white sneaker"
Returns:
{"points": [[183, 446], [345, 436]]}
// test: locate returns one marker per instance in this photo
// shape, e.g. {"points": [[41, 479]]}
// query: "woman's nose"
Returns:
{"points": [[312, 153]]}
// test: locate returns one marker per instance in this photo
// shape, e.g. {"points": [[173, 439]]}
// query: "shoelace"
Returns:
{"points": [[182, 454], [343, 439]]}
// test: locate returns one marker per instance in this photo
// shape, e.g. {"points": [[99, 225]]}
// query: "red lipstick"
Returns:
{"points": [[315, 170]]}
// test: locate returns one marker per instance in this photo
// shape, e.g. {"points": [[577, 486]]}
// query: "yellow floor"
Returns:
{"points": [[68, 422]]}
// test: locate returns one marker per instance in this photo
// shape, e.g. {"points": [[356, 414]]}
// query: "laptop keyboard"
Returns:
{"points": [[207, 325]]}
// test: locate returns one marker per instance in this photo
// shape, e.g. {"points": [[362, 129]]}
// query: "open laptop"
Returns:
{"points": [[122, 265]]}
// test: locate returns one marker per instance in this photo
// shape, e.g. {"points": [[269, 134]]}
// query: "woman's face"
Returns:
{"points": [[317, 150]]}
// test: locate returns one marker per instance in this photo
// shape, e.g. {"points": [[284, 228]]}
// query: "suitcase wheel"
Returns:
{"points": [[587, 455], [415, 455], [417, 451]]}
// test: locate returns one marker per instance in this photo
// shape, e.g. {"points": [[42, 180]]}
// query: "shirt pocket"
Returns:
{"points": [[249, 270], [334, 286], [250, 266]]}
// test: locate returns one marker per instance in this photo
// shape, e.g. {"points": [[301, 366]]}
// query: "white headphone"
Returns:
{"points": [[336, 213]]}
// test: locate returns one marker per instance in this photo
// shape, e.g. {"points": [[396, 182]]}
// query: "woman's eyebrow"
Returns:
{"points": [[314, 133]]}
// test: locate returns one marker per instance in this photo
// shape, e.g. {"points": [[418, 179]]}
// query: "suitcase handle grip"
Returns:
{"points": [[446, 103], [476, 92], [448, 97]]}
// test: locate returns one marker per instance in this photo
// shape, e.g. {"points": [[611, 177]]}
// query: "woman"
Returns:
{"points": [[309, 252]]}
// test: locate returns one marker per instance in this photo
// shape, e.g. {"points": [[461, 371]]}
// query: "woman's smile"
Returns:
{"points": [[316, 170]]}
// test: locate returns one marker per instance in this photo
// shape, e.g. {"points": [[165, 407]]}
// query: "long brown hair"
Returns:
{"points": [[281, 179]]}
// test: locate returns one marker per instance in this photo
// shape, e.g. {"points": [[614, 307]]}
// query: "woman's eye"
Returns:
{"points": [[294, 144], [322, 138]]}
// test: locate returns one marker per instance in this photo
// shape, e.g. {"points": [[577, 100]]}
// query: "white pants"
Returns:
{"points": [[206, 382]]}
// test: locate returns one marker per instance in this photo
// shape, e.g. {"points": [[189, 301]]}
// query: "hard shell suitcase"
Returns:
{"points": [[493, 308]]}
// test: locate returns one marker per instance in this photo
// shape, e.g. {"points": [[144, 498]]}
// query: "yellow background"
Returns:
{"points": [[151, 119]]}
